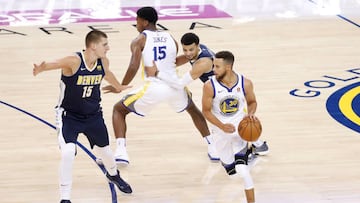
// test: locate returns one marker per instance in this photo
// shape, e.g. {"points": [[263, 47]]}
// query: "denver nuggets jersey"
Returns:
{"points": [[229, 104], [204, 52], [80, 93], [161, 48]]}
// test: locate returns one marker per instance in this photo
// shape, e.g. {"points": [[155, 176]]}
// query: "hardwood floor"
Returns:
{"points": [[313, 157]]}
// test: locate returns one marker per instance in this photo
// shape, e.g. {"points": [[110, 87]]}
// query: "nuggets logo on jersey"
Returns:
{"points": [[229, 106]]}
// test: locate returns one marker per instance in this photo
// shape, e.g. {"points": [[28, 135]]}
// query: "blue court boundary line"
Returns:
{"points": [[340, 16], [92, 156]]}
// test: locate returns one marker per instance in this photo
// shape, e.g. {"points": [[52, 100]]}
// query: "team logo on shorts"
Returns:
{"points": [[344, 106], [229, 106]]}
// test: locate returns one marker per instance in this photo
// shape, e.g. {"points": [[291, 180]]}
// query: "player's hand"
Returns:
{"points": [[252, 117], [112, 89], [38, 68], [151, 71], [228, 128]]}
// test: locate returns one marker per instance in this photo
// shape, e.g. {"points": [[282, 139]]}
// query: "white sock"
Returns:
{"points": [[121, 142], [209, 139]]}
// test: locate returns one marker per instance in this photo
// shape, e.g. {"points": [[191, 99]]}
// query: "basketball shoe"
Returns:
{"points": [[119, 182], [65, 201], [262, 149], [121, 156]]}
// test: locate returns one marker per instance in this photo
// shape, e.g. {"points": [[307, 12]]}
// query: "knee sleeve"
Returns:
{"points": [[68, 151], [244, 173], [67, 158], [230, 168], [243, 158]]}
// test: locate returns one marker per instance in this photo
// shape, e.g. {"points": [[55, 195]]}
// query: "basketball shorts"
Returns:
{"points": [[142, 100], [227, 144], [70, 125]]}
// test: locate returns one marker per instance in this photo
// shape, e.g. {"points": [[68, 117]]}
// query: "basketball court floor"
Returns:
{"points": [[303, 57]]}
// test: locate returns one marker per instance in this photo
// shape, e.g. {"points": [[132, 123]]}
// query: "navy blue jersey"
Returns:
{"points": [[204, 52], [80, 93]]}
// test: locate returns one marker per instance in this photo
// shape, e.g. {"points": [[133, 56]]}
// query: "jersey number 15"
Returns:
{"points": [[159, 53]]}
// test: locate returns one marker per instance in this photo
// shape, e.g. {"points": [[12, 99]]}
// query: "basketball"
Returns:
{"points": [[249, 130]]}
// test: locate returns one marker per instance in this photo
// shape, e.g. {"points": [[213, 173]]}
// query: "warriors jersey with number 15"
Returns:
{"points": [[161, 48]]}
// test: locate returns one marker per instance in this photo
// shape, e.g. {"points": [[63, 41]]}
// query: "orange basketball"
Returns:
{"points": [[249, 130]]}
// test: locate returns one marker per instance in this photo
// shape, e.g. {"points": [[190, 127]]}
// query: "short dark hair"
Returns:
{"points": [[227, 56], [94, 36], [190, 38], [148, 13]]}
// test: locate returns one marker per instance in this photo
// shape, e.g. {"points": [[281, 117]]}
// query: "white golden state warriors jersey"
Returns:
{"points": [[229, 104], [161, 48]]}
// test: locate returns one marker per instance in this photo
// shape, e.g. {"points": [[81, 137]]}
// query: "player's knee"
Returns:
{"points": [[242, 158], [68, 150], [120, 109], [244, 173], [230, 168]]}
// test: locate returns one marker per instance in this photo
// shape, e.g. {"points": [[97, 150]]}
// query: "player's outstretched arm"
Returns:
{"points": [[200, 67], [67, 64]]}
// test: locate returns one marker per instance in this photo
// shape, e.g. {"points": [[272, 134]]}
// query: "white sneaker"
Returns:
{"points": [[212, 153], [121, 156]]}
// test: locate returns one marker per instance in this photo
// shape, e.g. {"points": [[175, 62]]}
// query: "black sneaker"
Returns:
{"points": [[65, 201], [119, 182]]}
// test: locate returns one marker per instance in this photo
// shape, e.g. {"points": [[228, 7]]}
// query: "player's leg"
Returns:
{"points": [[98, 137], [181, 100], [141, 101], [242, 169], [222, 142], [67, 136], [201, 124], [119, 125]]}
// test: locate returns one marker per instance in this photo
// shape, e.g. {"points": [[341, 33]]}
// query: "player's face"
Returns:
{"points": [[190, 51], [140, 24], [219, 68], [102, 47]]}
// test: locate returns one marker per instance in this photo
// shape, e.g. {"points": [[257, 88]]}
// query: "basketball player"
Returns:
{"points": [[227, 98], [201, 60], [79, 109], [160, 47]]}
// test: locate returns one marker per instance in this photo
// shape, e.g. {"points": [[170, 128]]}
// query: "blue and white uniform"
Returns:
{"points": [[229, 106], [161, 48], [204, 53], [79, 109]]}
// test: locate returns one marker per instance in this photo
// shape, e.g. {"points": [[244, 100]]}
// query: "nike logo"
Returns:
{"points": [[220, 91], [82, 68]]}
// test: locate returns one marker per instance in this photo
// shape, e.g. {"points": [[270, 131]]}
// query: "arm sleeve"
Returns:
{"points": [[175, 82]]}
